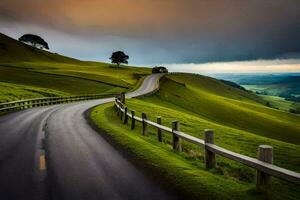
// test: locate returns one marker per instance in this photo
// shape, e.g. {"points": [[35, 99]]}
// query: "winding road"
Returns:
{"points": [[53, 153]]}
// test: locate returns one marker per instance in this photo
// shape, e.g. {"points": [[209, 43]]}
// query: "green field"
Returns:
{"points": [[281, 103], [256, 88], [274, 84], [274, 101], [10, 92], [241, 122], [54, 74]]}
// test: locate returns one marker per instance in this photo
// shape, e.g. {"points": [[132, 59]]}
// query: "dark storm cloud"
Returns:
{"points": [[165, 30]]}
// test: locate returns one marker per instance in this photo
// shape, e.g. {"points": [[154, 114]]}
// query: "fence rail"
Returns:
{"points": [[39, 102], [263, 164]]}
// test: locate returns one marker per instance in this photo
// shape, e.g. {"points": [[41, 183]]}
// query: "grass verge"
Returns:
{"points": [[183, 171]]}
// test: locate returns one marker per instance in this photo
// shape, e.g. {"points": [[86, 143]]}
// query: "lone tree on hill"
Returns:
{"points": [[35, 41], [119, 57]]}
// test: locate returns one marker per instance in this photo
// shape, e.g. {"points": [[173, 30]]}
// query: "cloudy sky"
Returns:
{"points": [[160, 31]]}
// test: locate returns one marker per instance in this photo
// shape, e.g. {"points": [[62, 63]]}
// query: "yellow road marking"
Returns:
{"points": [[42, 162]]}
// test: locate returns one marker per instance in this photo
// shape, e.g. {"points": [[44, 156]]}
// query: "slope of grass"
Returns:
{"points": [[186, 171], [241, 122], [108, 73], [219, 103], [12, 50], [38, 68], [281, 103], [12, 92], [275, 84], [61, 83], [184, 175]]}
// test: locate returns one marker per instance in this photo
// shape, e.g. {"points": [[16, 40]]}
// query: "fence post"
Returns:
{"points": [[121, 113], [125, 116], [176, 139], [116, 103], [118, 110], [159, 136], [122, 97], [144, 124], [210, 157], [119, 97], [132, 120], [265, 154]]}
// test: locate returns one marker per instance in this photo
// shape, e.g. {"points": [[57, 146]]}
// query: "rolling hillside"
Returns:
{"points": [[229, 106], [271, 87], [241, 122], [12, 50], [50, 74]]}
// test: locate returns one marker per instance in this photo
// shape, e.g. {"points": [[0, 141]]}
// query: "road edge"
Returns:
{"points": [[143, 165]]}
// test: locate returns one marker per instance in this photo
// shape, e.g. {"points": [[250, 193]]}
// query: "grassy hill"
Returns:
{"points": [[287, 86], [229, 106], [50, 74], [12, 50], [281, 90], [241, 122]]}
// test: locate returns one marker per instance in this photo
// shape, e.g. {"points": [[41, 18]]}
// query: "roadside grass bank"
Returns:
{"points": [[158, 157], [186, 171], [241, 122], [213, 101], [13, 92]]}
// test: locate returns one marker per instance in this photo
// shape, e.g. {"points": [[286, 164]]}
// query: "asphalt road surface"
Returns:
{"points": [[52, 153]]}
